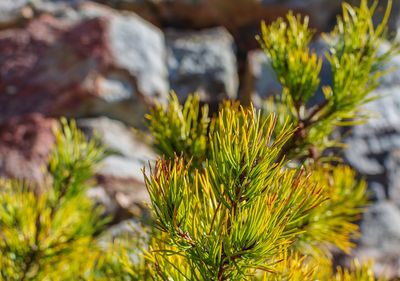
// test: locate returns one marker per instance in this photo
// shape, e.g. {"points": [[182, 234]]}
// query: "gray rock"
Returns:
{"points": [[103, 199], [66, 10], [118, 138], [121, 167], [322, 12], [13, 11], [130, 228], [373, 151], [392, 77], [392, 164], [200, 14], [262, 77], [370, 142], [381, 227], [202, 62], [120, 181], [133, 235], [140, 50], [380, 238], [377, 191], [138, 47]]}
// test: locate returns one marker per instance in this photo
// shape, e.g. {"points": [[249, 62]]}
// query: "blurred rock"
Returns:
{"points": [[392, 77], [127, 229], [66, 10], [138, 47], [202, 62], [118, 138], [370, 143], [241, 18], [261, 79], [148, 10], [120, 182], [25, 144], [373, 151], [13, 12], [131, 234], [380, 238], [392, 164], [377, 192], [322, 13], [201, 13], [106, 64], [231, 14], [125, 193]]}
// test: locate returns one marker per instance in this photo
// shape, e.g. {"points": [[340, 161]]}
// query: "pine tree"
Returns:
{"points": [[255, 194]]}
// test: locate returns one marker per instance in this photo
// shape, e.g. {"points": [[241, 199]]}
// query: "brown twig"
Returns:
{"points": [[301, 132]]}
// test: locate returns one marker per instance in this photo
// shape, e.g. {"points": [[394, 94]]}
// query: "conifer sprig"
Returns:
{"points": [[357, 65], [180, 129], [46, 231], [287, 45], [250, 205], [236, 213]]}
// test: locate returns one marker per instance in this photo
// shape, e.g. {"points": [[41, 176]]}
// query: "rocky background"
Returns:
{"points": [[104, 63]]}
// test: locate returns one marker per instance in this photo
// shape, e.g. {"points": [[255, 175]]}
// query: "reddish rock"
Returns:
{"points": [[42, 67], [25, 144], [82, 68]]}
